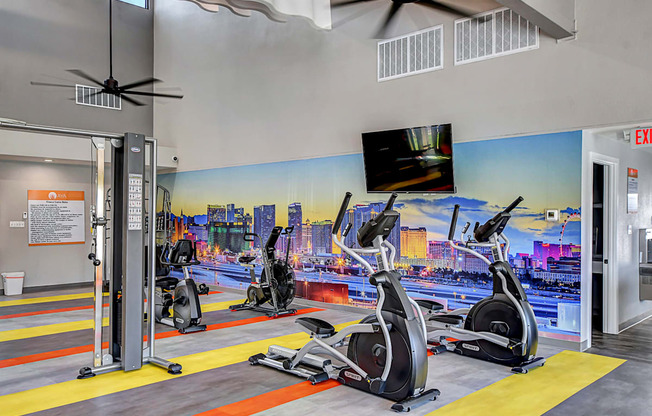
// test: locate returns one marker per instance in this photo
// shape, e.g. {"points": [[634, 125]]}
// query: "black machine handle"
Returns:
{"points": [[340, 215], [514, 204], [451, 231], [346, 230], [251, 235], [390, 202], [96, 262], [466, 227]]}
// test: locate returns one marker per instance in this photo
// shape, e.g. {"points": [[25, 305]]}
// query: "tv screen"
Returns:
{"points": [[417, 159]]}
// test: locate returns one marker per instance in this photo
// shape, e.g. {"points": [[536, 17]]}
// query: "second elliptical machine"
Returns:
{"points": [[500, 328]]}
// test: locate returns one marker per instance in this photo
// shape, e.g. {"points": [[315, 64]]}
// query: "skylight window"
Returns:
{"points": [[140, 3]]}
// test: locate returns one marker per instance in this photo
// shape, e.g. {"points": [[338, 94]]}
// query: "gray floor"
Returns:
{"points": [[625, 391]]}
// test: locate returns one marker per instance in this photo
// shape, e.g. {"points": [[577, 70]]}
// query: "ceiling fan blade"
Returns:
{"points": [[139, 83], [84, 75], [458, 11], [131, 100], [390, 15], [348, 3], [48, 84], [153, 94]]}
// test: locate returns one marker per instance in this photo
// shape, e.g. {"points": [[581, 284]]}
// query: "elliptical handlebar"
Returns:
{"points": [[451, 231], [513, 204], [390, 201], [340, 215]]}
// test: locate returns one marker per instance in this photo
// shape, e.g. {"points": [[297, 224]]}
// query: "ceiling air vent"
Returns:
{"points": [[492, 34], [92, 96], [411, 54]]}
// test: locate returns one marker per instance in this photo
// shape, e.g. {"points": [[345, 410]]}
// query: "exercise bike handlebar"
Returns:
{"points": [[451, 231], [513, 204], [340, 215]]}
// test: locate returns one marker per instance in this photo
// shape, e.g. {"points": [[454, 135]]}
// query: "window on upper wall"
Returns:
{"points": [[140, 3]]}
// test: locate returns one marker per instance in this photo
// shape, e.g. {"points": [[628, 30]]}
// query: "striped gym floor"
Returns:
{"points": [[41, 353]]}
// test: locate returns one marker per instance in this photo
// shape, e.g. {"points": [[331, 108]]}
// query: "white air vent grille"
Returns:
{"points": [[411, 54], [92, 96], [496, 33]]}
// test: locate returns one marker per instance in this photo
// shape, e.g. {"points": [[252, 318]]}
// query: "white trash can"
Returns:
{"points": [[13, 283]]}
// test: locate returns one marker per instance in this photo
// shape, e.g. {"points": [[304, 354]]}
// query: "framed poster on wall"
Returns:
{"points": [[56, 217]]}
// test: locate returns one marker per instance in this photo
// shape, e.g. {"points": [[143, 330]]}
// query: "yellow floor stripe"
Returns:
{"points": [[45, 299], [74, 391], [535, 393], [37, 331]]}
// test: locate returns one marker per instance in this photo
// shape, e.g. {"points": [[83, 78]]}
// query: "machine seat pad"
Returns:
{"points": [[167, 283], [431, 305], [316, 326], [246, 259], [447, 319]]}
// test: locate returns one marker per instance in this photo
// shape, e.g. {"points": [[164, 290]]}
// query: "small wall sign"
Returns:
{"points": [[632, 190], [640, 137]]}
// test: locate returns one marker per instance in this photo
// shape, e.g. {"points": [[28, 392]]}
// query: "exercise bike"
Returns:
{"points": [[387, 350], [277, 282], [180, 295], [500, 328]]}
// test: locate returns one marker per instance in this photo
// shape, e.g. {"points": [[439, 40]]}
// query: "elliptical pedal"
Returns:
{"points": [[416, 401], [525, 367]]}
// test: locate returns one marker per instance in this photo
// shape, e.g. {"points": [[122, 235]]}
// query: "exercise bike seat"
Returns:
{"points": [[316, 326], [167, 283], [246, 259], [447, 319]]}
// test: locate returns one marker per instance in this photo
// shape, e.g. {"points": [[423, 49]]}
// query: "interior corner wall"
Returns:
{"points": [[41, 39], [630, 308], [258, 91], [43, 265]]}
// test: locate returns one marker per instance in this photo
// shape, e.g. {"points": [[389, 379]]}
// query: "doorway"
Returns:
{"points": [[604, 286]]}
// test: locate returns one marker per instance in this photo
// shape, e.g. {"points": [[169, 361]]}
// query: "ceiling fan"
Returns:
{"points": [[110, 85], [396, 6]]}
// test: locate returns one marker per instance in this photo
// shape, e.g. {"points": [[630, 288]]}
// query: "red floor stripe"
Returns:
{"points": [[10, 362], [75, 308], [271, 399]]}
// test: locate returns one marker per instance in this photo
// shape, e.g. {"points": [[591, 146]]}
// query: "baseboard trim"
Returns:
{"points": [[561, 343], [634, 321]]}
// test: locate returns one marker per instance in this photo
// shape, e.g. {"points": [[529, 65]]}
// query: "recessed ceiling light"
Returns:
{"points": [[49, 160]]}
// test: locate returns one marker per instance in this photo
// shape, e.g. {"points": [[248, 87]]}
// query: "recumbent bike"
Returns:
{"points": [[180, 295], [276, 284], [387, 350], [500, 328]]}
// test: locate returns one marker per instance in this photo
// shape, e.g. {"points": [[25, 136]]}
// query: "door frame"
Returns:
{"points": [[610, 206]]}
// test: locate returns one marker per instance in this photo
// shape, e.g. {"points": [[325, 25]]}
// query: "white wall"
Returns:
{"points": [[259, 91], [611, 144], [43, 265]]}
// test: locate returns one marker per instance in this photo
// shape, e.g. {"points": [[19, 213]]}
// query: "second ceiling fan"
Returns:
{"points": [[396, 6]]}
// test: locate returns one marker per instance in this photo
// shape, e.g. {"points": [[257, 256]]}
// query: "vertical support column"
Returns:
{"points": [[100, 230], [133, 251]]}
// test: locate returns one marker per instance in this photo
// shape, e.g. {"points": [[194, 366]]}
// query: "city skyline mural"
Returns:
{"points": [[215, 207]]}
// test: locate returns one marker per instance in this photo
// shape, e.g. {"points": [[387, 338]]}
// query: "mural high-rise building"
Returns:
{"points": [[215, 213], [414, 242], [322, 237], [306, 237], [295, 219], [264, 221], [230, 212]]}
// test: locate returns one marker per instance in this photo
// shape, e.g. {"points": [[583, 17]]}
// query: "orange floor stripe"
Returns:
{"points": [[75, 308], [10, 362], [271, 399]]}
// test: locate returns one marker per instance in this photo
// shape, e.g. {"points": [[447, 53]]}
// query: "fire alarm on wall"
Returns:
{"points": [[552, 215]]}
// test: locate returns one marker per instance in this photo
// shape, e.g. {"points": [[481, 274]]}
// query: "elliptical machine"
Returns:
{"points": [[387, 350], [181, 295], [500, 328], [277, 282]]}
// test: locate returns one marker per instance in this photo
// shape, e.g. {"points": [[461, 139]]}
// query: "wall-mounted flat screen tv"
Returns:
{"points": [[417, 159]]}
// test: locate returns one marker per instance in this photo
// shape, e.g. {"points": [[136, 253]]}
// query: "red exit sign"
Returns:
{"points": [[641, 137]]}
